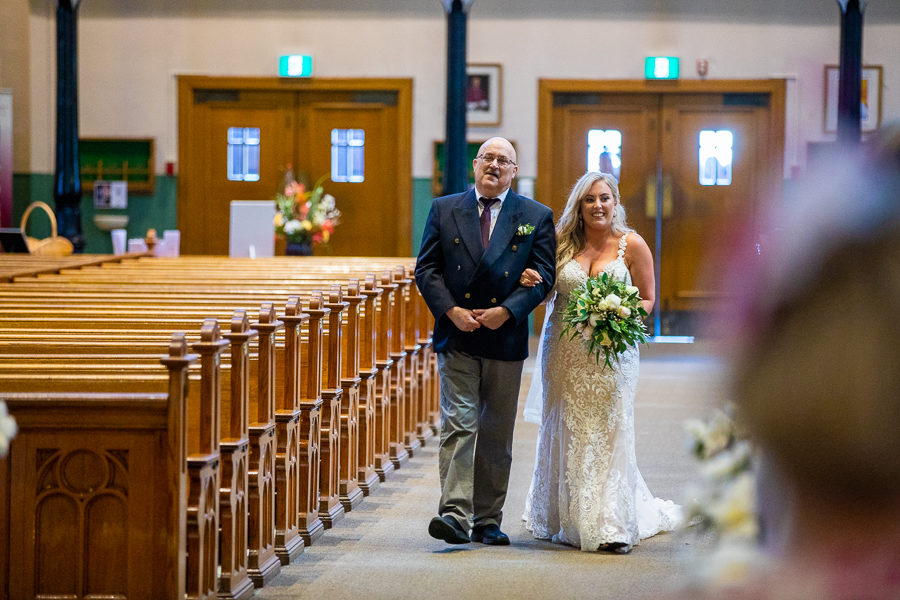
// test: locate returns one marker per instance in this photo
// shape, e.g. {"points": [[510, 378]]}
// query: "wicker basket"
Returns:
{"points": [[54, 245]]}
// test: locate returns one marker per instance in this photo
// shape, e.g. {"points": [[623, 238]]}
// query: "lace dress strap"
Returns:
{"points": [[623, 242]]}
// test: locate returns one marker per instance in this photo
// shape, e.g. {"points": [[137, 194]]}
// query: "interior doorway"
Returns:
{"points": [[238, 136], [694, 160]]}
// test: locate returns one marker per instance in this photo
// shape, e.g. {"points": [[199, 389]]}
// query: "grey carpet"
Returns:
{"points": [[382, 549]]}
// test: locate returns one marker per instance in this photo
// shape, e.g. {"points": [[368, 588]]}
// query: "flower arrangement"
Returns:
{"points": [[8, 429], [306, 217], [725, 500], [607, 314], [722, 504]]}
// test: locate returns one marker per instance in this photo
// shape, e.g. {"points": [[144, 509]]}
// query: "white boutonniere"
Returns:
{"points": [[523, 230]]}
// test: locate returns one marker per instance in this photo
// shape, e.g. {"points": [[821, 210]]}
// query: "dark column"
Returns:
{"points": [[67, 181], [455, 168], [849, 130]]}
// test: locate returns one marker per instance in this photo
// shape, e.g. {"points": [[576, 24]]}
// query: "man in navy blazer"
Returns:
{"points": [[481, 334]]}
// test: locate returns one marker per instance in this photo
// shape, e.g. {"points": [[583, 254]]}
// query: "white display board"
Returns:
{"points": [[252, 232]]}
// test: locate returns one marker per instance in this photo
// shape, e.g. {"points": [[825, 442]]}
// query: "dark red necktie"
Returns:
{"points": [[486, 220]]}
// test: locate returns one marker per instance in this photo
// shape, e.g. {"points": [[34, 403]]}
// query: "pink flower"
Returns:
{"points": [[304, 210], [317, 238], [294, 189]]}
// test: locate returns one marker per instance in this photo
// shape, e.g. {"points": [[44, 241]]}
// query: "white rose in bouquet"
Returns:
{"points": [[292, 227], [8, 429]]}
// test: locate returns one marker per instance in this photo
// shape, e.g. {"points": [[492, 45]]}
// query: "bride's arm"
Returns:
{"points": [[639, 261], [531, 278]]}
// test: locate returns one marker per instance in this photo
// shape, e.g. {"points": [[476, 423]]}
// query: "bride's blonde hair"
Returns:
{"points": [[570, 238]]}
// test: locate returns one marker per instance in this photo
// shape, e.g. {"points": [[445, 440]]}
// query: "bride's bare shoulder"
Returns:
{"points": [[635, 243]]}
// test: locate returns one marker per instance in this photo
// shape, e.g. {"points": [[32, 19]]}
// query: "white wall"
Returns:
{"points": [[127, 65]]}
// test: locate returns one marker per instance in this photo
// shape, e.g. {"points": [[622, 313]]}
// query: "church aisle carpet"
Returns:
{"points": [[382, 549]]}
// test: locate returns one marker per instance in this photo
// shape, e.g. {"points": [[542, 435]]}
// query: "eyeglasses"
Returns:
{"points": [[501, 160]]}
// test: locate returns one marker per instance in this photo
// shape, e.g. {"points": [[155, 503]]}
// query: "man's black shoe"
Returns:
{"points": [[447, 529], [490, 534]]}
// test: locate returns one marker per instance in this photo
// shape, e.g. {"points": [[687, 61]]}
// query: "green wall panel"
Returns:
{"points": [[421, 205], [156, 211]]}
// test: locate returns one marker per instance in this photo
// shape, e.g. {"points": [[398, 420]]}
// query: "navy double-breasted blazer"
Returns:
{"points": [[453, 270]]}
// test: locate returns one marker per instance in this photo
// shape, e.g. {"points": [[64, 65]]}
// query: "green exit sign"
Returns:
{"points": [[295, 65], [661, 67]]}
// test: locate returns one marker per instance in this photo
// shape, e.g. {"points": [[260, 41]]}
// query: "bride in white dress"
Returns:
{"points": [[586, 490]]}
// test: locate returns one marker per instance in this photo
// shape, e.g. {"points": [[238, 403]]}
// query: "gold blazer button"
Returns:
{"points": [[468, 295], [456, 241], [514, 248], [493, 301]]}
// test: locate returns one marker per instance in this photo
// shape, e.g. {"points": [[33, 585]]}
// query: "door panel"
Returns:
{"points": [[369, 227], [700, 222], [204, 215], [636, 116], [295, 119], [694, 225]]}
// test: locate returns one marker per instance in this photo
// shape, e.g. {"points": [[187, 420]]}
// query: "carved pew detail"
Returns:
{"points": [[350, 492], [368, 372], [330, 508], [394, 292], [203, 470], [288, 541], [428, 402], [311, 526], [385, 381], [263, 564], [234, 448], [404, 322]]}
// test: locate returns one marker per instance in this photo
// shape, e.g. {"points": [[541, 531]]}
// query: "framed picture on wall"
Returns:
{"points": [[484, 89], [870, 98]]}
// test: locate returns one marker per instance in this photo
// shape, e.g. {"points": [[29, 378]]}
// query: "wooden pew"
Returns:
{"points": [[95, 491], [366, 381], [263, 564], [312, 524], [288, 455], [347, 481], [94, 276]]}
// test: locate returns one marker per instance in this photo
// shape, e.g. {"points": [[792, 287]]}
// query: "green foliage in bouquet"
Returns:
{"points": [[608, 315]]}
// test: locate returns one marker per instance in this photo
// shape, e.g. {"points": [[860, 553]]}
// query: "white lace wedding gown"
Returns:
{"points": [[586, 489]]}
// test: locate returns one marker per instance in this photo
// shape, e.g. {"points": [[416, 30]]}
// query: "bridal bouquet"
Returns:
{"points": [[607, 314]]}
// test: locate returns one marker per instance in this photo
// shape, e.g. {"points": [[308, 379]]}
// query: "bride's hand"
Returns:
{"points": [[530, 278]]}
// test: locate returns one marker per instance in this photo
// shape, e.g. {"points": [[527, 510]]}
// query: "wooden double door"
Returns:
{"points": [[295, 120], [690, 221]]}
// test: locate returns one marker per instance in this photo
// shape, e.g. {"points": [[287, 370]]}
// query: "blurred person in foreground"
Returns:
{"points": [[817, 385]]}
